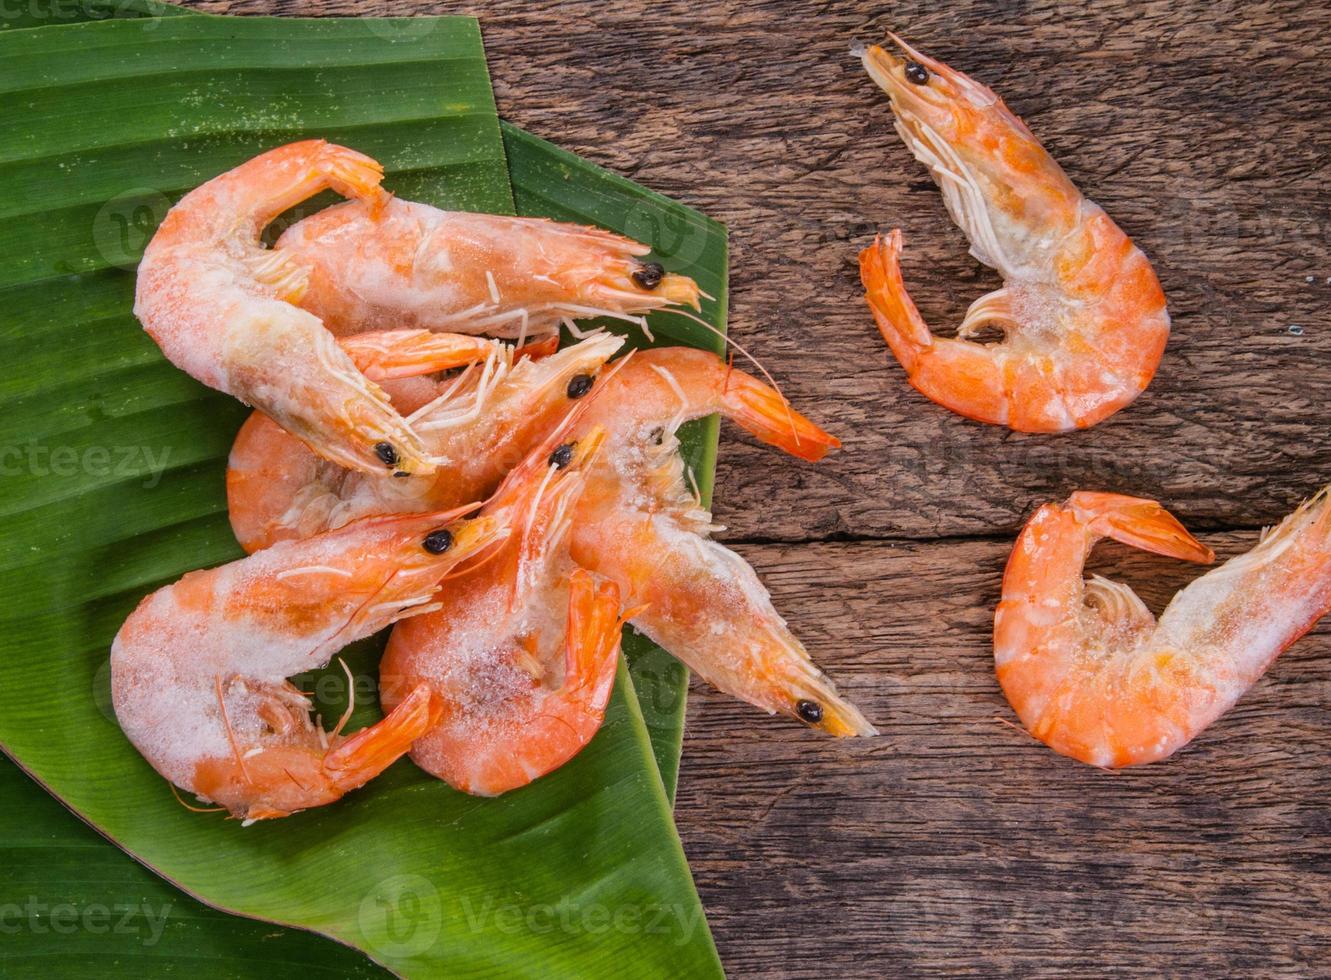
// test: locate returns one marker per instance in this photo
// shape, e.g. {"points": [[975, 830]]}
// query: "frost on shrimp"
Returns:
{"points": [[1090, 671], [1082, 312], [641, 524], [410, 264], [199, 670], [221, 307], [476, 426], [522, 654]]}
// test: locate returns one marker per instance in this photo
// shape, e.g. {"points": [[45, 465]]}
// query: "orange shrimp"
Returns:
{"points": [[639, 525], [522, 653], [1090, 671], [199, 670], [1081, 309], [412, 265], [222, 307], [476, 427]]}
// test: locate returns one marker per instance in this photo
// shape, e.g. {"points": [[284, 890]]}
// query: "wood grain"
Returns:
{"points": [[954, 843]]}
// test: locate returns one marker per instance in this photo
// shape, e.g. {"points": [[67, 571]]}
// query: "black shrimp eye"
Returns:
{"points": [[437, 542], [579, 385], [916, 73], [562, 456], [810, 711], [386, 453], [649, 275]]}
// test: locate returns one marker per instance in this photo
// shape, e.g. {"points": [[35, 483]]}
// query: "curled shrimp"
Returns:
{"points": [[641, 525], [222, 307], [1081, 309], [521, 655], [476, 427], [412, 265], [199, 670], [1090, 671]]}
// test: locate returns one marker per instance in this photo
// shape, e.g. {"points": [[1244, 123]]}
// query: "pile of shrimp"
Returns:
{"points": [[424, 456]]}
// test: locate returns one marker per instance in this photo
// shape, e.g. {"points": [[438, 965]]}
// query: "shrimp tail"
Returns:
{"points": [[764, 413], [1139, 523], [370, 751], [353, 175], [592, 639], [898, 319]]}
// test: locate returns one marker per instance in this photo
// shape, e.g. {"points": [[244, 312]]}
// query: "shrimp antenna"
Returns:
{"points": [[351, 698], [192, 809], [790, 414], [230, 732]]}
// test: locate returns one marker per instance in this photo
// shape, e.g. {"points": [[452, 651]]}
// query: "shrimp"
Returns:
{"points": [[222, 307], [522, 652], [639, 525], [1089, 670], [1081, 309], [412, 265], [476, 427], [198, 670]]}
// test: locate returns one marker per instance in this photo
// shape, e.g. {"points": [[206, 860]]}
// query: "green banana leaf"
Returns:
{"points": [[113, 485]]}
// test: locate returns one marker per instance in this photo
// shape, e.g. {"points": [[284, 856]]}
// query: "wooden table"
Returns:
{"points": [[954, 842]]}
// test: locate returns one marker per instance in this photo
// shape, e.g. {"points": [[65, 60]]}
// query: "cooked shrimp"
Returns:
{"points": [[198, 671], [222, 307], [1090, 671], [522, 653], [1082, 311], [476, 427], [412, 265], [640, 525]]}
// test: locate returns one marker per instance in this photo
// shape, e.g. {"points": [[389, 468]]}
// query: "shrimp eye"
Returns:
{"points": [[579, 385], [810, 711], [562, 456], [916, 73], [649, 275], [437, 542], [386, 453]]}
